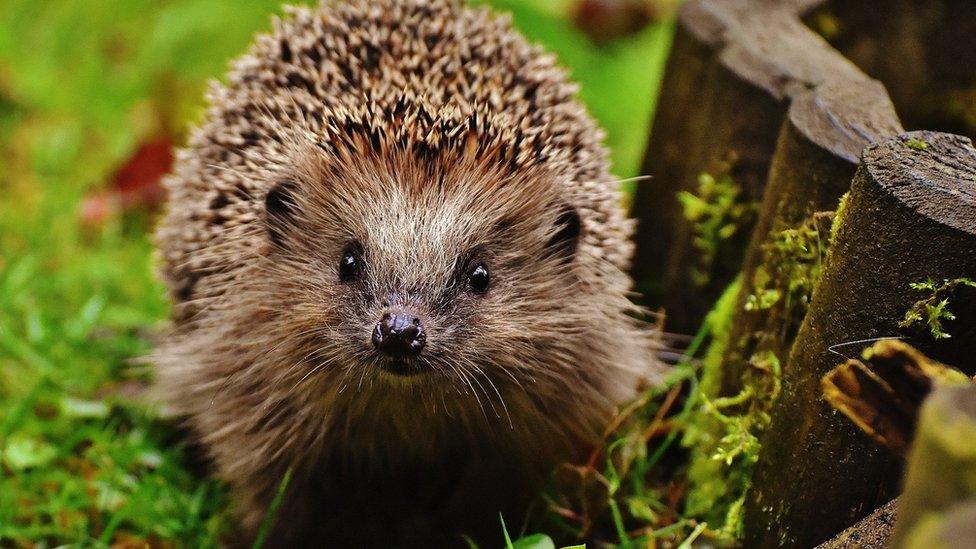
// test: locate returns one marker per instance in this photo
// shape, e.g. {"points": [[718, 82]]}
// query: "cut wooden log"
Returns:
{"points": [[910, 217], [882, 395], [816, 156], [922, 50], [734, 66], [815, 159], [941, 472]]}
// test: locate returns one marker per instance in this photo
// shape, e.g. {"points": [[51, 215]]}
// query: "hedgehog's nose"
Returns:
{"points": [[399, 334]]}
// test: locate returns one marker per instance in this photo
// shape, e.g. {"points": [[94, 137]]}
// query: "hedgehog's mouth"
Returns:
{"points": [[402, 367]]}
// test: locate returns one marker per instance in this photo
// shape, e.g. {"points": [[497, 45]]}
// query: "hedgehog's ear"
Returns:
{"points": [[566, 237], [280, 210]]}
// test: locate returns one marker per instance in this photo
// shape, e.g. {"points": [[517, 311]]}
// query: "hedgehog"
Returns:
{"points": [[398, 267]]}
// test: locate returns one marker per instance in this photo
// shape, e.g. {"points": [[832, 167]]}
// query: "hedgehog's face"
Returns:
{"points": [[402, 278]]}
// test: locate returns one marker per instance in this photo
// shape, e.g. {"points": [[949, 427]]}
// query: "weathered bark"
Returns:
{"points": [[872, 532], [816, 156], [942, 466], [883, 394], [922, 50], [734, 66], [910, 216]]}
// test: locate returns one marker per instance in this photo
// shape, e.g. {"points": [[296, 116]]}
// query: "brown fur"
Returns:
{"points": [[427, 132]]}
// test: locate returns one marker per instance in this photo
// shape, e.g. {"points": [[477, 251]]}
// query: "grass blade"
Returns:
{"points": [[272, 511]]}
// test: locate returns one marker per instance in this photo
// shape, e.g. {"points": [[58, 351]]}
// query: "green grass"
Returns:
{"points": [[84, 457]]}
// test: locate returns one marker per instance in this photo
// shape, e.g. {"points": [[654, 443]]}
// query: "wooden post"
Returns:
{"points": [[816, 156], [734, 66], [910, 216], [922, 50], [942, 464]]}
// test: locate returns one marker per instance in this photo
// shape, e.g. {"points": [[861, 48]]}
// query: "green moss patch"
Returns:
{"points": [[717, 211], [933, 310]]}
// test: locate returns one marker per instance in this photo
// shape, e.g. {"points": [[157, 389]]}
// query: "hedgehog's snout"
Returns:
{"points": [[399, 334]]}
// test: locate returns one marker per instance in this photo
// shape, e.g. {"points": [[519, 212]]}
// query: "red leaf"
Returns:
{"points": [[138, 181], [136, 184]]}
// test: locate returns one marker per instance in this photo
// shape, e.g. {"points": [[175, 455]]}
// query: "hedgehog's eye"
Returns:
{"points": [[350, 265], [478, 278]]}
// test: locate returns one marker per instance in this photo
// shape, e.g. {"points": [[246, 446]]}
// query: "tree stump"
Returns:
{"points": [[941, 468], [816, 157], [922, 50], [910, 217], [734, 66]]}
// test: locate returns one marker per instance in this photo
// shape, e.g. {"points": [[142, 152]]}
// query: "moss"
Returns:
{"points": [[792, 261], [726, 448], [927, 533], [934, 309], [718, 323], [827, 25], [839, 214], [723, 446], [916, 144], [725, 437], [717, 212], [954, 437]]}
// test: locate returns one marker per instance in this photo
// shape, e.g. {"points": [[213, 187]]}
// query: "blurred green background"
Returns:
{"points": [[93, 94]]}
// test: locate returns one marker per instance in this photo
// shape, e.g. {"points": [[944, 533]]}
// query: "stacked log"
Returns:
{"points": [[734, 68], [760, 128], [922, 50], [910, 217], [815, 159]]}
